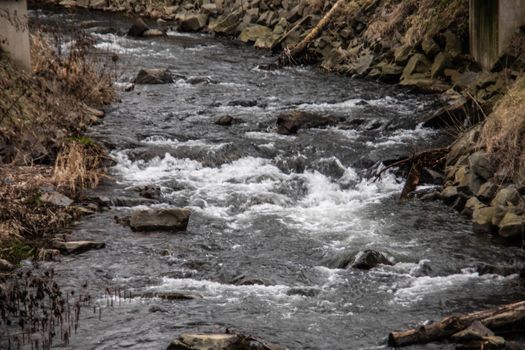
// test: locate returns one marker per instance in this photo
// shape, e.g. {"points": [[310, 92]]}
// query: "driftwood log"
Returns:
{"points": [[288, 55], [428, 158], [497, 318]]}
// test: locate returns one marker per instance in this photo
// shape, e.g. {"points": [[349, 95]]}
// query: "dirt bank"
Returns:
{"points": [[45, 160]]}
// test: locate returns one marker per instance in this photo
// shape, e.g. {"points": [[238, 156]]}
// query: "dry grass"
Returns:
{"points": [[78, 165], [41, 116], [503, 135], [38, 111], [411, 21]]}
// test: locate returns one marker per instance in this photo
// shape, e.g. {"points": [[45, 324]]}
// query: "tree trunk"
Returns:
{"points": [[288, 56], [500, 317]]}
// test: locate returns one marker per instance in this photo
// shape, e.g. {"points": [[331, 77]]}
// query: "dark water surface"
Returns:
{"points": [[280, 209]]}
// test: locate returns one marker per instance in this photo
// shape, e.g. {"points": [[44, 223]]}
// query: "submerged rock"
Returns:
{"points": [[77, 247], [154, 76], [169, 295], [174, 219], [290, 122], [305, 292], [369, 259], [243, 280], [227, 120]]}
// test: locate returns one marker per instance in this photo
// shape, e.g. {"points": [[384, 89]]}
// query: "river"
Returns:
{"points": [[280, 210]]}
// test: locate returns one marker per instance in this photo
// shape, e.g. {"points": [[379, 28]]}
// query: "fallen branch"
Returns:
{"points": [[288, 56], [425, 159], [504, 316]]}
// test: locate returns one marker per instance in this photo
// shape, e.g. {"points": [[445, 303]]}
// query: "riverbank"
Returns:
{"points": [[418, 45], [275, 222], [46, 162]]}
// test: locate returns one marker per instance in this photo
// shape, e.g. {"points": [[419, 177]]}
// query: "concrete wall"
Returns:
{"points": [[484, 31], [492, 25], [511, 17], [14, 32]]}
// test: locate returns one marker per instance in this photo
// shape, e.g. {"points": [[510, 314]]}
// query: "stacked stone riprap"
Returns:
{"points": [[475, 187], [423, 47]]}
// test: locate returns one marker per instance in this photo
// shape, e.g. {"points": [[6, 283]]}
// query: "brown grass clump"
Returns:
{"points": [[78, 165], [503, 135]]}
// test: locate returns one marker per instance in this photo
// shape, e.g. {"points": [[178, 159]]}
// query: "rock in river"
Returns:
{"points": [[174, 219], [369, 259], [154, 76], [77, 247], [227, 120], [138, 28], [290, 122], [221, 341]]}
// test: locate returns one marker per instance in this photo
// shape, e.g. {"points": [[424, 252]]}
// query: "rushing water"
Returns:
{"points": [[280, 209]]}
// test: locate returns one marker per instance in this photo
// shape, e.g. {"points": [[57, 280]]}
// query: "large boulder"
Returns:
{"points": [[511, 226], [369, 259], [481, 165], [417, 67], [482, 219], [174, 219], [507, 196], [252, 33], [290, 122], [471, 205], [226, 24], [193, 22], [487, 191], [154, 76], [449, 194]]}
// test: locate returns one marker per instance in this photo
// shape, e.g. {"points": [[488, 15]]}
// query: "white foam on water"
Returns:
{"points": [[387, 101], [161, 140], [250, 188], [271, 136], [114, 43], [215, 290], [414, 289], [403, 136]]}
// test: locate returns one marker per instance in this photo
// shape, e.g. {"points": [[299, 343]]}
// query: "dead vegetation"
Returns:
{"points": [[42, 118], [503, 134]]}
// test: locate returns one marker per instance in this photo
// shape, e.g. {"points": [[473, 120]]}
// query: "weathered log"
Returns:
{"points": [[497, 318], [288, 55], [413, 179]]}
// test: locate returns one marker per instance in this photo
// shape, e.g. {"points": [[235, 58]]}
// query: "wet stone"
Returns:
{"points": [[160, 219], [291, 122], [154, 76], [77, 247], [369, 259]]}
